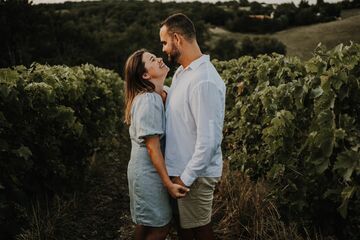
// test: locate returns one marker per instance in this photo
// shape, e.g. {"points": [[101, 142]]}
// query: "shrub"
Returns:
{"points": [[51, 122], [298, 125]]}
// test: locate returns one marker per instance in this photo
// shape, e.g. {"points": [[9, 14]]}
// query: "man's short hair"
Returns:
{"points": [[181, 24]]}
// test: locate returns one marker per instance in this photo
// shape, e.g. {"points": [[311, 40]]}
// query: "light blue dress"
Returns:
{"points": [[149, 199]]}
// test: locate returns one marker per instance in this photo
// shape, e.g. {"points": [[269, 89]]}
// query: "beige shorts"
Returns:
{"points": [[195, 208]]}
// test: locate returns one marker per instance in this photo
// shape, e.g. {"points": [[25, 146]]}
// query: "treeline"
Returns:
{"points": [[105, 33], [227, 48], [254, 17]]}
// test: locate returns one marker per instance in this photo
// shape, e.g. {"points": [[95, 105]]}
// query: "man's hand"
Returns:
{"points": [[177, 191]]}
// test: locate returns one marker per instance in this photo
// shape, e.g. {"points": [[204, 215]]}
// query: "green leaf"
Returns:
{"points": [[346, 163], [340, 133], [23, 152], [65, 115], [324, 164], [276, 171], [316, 92], [337, 83], [346, 194]]}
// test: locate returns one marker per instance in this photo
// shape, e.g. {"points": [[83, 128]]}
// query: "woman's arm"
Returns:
{"points": [[157, 159]]}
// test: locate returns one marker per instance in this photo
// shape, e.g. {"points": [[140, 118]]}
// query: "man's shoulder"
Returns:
{"points": [[207, 73]]}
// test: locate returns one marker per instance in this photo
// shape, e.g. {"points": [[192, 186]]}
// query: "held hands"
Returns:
{"points": [[177, 191]]}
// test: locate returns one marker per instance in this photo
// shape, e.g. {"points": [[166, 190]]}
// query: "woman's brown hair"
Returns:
{"points": [[134, 82]]}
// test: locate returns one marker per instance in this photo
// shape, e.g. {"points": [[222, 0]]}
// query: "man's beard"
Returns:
{"points": [[174, 55]]}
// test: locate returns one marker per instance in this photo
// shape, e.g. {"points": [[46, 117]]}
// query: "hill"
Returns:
{"points": [[301, 41]]}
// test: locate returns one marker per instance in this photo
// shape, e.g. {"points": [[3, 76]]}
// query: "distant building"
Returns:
{"points": [[245, 8], [261, 17]]}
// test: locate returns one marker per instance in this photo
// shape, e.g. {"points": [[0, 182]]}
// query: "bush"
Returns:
{"points": [[298, 125], [261, 45], [51, 121]]}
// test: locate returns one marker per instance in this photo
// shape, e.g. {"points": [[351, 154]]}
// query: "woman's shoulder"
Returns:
{"points": [[147, 98]]}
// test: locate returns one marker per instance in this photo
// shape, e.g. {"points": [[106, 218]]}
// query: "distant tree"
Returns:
{"points": [[16, 31], [319, 2], [304, 4], [256, 8], [215, 15], [261, 45], [225, 49], [305, 16], [287, 9], [243, 3], [281, 22], [330, 11]]}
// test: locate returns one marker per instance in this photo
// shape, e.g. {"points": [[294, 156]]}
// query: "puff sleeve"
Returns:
{"points": [[147, 115]]}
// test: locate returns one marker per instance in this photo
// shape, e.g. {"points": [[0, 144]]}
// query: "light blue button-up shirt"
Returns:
{"points": [[194, 121]]}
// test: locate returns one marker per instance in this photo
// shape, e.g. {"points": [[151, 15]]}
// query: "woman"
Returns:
{"points": [[149, 183]]}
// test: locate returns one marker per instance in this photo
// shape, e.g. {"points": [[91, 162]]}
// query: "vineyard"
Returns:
{"points": [[292, 126], [52, 121], [297, 125]]}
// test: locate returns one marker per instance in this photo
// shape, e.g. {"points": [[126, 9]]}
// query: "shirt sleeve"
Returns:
{"points": [[207, 105], [147, 115]]}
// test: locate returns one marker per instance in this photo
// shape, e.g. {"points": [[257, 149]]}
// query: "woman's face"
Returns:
{"points": [[155, 67]]}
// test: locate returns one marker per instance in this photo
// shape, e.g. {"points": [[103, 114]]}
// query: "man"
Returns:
{"points": [[194, 120]]}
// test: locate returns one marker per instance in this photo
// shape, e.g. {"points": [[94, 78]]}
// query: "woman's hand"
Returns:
{"points": [[163, 96], [177, 191]]}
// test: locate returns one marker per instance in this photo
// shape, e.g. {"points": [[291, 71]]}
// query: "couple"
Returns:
{"points": [[191, 115]]}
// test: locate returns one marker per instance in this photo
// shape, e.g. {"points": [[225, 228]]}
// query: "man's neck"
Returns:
{"points": [[190, 54]]}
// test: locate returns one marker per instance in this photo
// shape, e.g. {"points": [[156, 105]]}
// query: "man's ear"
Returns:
{"points": [[146, 76], [177, 39]]}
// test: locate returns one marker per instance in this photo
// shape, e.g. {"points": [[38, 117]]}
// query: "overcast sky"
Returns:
{"points": [[266, 1]]}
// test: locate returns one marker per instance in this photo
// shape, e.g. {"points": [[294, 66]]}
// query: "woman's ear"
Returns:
{"points": [[146, 76]]}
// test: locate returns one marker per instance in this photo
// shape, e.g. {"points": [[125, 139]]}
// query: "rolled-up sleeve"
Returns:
{"points": [[207, 106]]}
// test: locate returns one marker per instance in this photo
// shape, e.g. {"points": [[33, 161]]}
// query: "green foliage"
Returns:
{"points": [[226, 48], [102, 33], [298, 125], [51, 121], [105, 33]]}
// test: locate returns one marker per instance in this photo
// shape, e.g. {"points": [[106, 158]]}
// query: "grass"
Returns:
{"points": [[98, 212], [301, 41], [243, 210]]}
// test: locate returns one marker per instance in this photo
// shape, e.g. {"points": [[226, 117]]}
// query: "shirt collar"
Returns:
{"points": [[194, 64], [197, 62]]}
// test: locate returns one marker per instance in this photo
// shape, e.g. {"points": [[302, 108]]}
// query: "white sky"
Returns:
{"points": [[266, 1]]}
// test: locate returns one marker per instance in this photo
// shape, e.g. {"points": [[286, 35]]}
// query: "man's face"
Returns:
{"points": [[168, 45]]}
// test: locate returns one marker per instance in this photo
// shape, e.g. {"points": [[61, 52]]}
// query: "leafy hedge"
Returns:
{"points": [[51, 122], [298, 125]]}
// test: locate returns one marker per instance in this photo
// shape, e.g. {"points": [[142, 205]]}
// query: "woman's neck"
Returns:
{"points": [[159, 89], [159, 86]]}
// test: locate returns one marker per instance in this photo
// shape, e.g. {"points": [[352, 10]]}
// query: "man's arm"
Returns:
{"points": [[207, 105]]}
